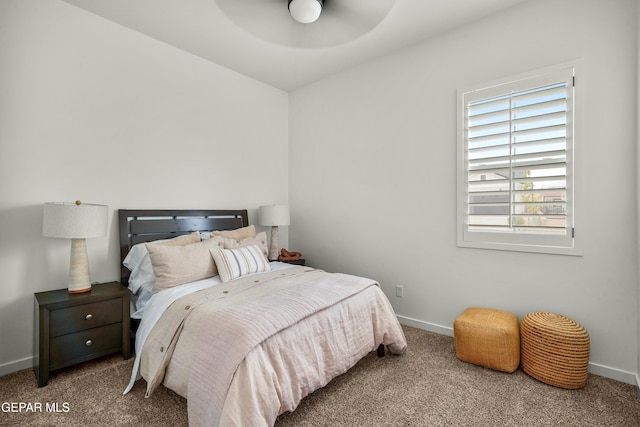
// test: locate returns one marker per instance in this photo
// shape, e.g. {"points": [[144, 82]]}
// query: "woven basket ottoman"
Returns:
{"points": [[489, 338], [555, 350]]}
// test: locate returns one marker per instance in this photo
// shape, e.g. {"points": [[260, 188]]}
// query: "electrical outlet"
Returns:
{"points": [[399, 291]]}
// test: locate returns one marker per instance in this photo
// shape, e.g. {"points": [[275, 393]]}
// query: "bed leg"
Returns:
{"points": [[380, 350]]}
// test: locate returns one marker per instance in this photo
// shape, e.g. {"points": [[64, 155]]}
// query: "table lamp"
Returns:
{"points": [[274, 216], [76, 221]]}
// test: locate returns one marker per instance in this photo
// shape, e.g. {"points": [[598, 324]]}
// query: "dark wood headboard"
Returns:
{"points": [[137, 226]]}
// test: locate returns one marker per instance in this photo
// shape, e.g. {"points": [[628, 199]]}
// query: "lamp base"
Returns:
{"points": [[79, 280], [273, 249]]}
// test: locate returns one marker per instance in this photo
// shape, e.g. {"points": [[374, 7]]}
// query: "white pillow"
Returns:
{"points": [[234, 263], [137, 260]]}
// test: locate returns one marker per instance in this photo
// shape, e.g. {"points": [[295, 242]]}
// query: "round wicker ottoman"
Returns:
{"points": [[554, 349]]}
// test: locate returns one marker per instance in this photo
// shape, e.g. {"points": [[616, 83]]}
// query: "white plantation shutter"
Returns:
{"points": [[517, 164]]}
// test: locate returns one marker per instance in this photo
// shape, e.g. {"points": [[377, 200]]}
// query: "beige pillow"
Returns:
{"points": [[176, 265], [187, 239], [237, 234], [137, 256], [259, 240]]}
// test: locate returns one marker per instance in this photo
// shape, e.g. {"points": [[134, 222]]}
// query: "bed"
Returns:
{"points": [[250, 339]]}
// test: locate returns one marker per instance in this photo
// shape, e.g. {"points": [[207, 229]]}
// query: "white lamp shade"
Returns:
{"points": [[274, 215], [305, 11], [74, 221]]}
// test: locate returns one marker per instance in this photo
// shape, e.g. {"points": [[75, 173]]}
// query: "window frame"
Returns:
{"points": [[514, 241]]}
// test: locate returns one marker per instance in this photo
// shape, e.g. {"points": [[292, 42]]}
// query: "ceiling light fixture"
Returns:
{"points": [[305, 11]]}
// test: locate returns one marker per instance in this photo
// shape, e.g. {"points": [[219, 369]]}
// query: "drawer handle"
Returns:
{"points": [[88, 343], [89, 316]]}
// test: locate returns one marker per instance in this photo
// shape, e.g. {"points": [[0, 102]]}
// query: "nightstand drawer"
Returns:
{"points": [[66, 350], [80, 317]]}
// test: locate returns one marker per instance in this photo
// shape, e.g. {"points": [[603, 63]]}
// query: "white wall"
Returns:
{"points": [[373, 175], [90, 110]]}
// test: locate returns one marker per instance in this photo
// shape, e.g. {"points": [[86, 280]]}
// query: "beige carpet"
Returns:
{"points": [[427, 386]]}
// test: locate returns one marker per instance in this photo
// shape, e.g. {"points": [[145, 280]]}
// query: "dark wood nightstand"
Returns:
{"points": [[300, 261], [75, 328]]}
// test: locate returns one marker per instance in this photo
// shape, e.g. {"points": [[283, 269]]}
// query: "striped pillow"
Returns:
{"points": [[233, 263]]}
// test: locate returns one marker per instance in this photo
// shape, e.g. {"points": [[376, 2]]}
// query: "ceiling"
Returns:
{"points": [[203, 28]]}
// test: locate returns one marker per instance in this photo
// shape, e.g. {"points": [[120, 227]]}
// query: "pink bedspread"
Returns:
{"points": [[239, 370]]}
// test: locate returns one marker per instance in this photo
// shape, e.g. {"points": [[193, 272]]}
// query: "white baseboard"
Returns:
{"points": [[421, 324], [594, 368], [16, 365], [614, 373]]}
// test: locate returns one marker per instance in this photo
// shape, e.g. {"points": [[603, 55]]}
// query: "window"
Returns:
{"points": [[516, 164]]}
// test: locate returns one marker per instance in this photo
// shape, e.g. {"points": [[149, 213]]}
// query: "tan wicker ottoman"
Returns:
{"points": [[555, 350], [489, 338]]}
